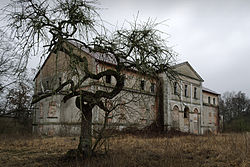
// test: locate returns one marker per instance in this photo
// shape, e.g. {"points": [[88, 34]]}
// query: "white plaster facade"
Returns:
{"points": [[183, 104]]}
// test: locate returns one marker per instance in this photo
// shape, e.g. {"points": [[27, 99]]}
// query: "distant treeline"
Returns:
{"points": [[235, 109]]}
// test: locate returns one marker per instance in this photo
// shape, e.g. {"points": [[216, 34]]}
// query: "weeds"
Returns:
{"points": [[132, 150]]}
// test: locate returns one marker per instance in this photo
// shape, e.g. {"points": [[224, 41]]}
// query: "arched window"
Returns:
{"points": [[176, 108], [186, 112], [196, 110], [175, 117]]}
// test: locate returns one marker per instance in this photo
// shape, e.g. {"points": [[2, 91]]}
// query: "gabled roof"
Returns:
{"points": [[38, 72], [204, 89], [182, 68], [97, 56], [107, 58], [187, 70]]}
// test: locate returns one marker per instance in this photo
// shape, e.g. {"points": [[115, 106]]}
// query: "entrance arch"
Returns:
{"points": [[175, 117], [196, 121], [186, 119]]}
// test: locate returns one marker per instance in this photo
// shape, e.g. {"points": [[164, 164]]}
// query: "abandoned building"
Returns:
{"points": [[186, 105]]}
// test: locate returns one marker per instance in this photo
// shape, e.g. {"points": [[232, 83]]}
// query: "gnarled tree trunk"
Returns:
{"points": [[85, 142]]}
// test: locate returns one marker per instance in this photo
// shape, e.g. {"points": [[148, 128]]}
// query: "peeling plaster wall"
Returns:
{"points": [[54, 117], [210, 112], [175, 102]]}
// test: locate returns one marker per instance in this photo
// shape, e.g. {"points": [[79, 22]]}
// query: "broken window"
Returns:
{"points": [[41, 110], [52, 113]]}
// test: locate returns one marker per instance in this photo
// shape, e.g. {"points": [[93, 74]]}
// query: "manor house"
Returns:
{"points": [[183, 105]]}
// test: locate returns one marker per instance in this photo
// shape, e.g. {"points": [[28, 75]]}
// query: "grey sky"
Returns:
{"points": [[214, 35]]}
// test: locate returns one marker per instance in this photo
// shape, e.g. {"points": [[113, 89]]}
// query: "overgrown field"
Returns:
{"points": [[131, 150]]}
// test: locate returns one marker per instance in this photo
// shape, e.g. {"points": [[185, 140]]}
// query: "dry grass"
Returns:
{"points": [[129, 150]]}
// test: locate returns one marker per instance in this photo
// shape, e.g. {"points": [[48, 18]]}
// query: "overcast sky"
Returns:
{"points": [[212, 35]]}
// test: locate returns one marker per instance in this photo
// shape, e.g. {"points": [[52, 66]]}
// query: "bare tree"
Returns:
{"points": [[10, 68], [234, 104], [19, 100], [58, 24], [7, 62]]}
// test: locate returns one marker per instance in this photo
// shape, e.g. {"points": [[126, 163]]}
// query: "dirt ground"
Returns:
{"points": [[223, 150]]}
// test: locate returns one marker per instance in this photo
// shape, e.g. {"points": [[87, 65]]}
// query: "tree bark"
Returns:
{"points": [[85, 142]]}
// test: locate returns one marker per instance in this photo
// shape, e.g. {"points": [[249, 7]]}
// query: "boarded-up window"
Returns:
{"points": [[175, 117], [41, 110], [195, 115], [52, 110]]}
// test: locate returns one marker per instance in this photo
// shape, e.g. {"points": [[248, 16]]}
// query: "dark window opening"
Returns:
{"points": [[175, 88], [195, 93], [142, 85], [152, 88], [186, 112], [108, 79], [209, 100], [185, 91], [47, 85], [214, 101], [52, 117], [60, 80]]}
